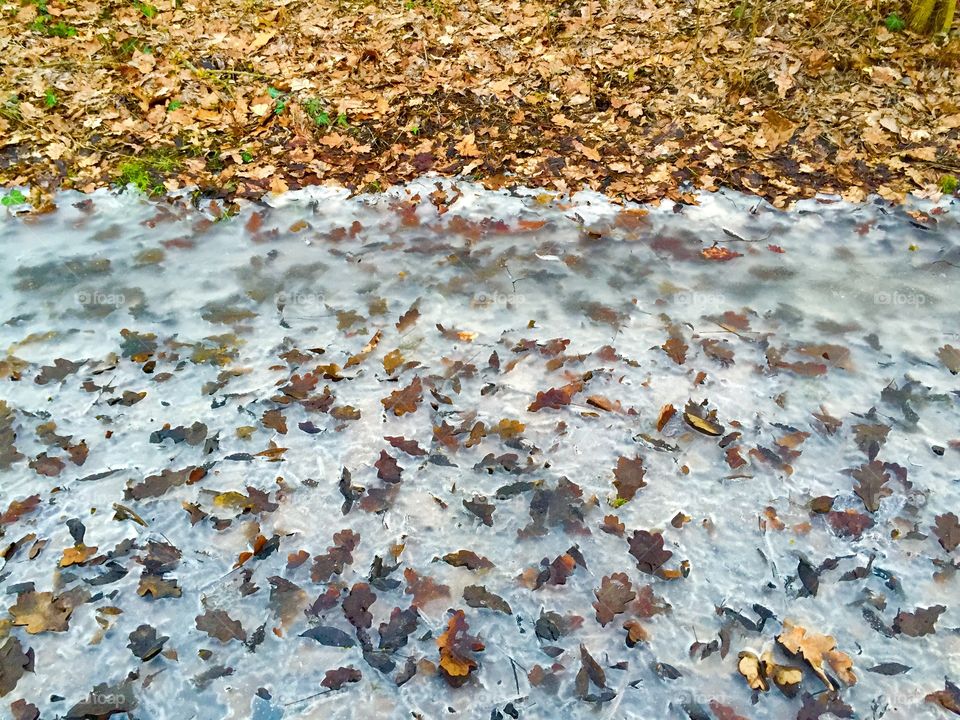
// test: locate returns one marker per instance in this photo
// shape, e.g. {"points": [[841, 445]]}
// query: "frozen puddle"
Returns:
{"points": [[252, 467]]}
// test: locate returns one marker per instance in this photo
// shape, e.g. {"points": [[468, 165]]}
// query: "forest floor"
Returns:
{"points": [[638, 99]]}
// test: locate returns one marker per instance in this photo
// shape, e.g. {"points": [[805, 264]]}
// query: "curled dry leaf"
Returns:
{"points": [[697, 417], [750, 667], [815, 649], [663, 417], [948, 698]]}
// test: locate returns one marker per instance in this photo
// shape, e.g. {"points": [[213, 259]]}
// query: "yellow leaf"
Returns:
{"points": [[392, 360]]}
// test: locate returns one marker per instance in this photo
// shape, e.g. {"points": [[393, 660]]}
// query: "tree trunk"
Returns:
{"points": [[932, 15]]}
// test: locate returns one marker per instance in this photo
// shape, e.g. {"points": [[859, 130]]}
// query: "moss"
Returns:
{"points": [[949, 184], [148, 171]]}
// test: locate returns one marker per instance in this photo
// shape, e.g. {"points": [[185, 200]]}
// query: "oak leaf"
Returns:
{"points": [[613, 596], [629, 477], [457, 648], [41, 612]]}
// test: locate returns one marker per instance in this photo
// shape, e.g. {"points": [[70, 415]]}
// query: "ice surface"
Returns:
{"points": [[831, 308]]}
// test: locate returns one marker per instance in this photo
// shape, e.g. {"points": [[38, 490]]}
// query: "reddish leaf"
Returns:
{"points": [[387, 468], [423, 588], [555, 398], [648, 549], [336, 679], [356, 604]]}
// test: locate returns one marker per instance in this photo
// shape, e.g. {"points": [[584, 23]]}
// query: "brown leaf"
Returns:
{"points": [[947, 531], [871, 480], [405, 400], [477, 596], [950, 357], [41, 612], [816, 648], [629, 477], [612, 525], [697, 417], [560, 506], [918, 623], [45, 465], [481, 508], [14, 662], [365, 351], [666, 412], [408, 319], [410, 447], [849, 523], [750, 667], [336, 679], [387, 468], [18, 508], [648, 550], [648, 604], [218, 624], [467, 559], [77, 555], [337, 557], [613, 595], [676, 349], [275, 420]]}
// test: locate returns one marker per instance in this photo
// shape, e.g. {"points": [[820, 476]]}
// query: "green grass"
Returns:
{"points": [[50, 98], [895, 23], [174, 105], [59, 29], [146, 9], [321, 117], [147, 172]]}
